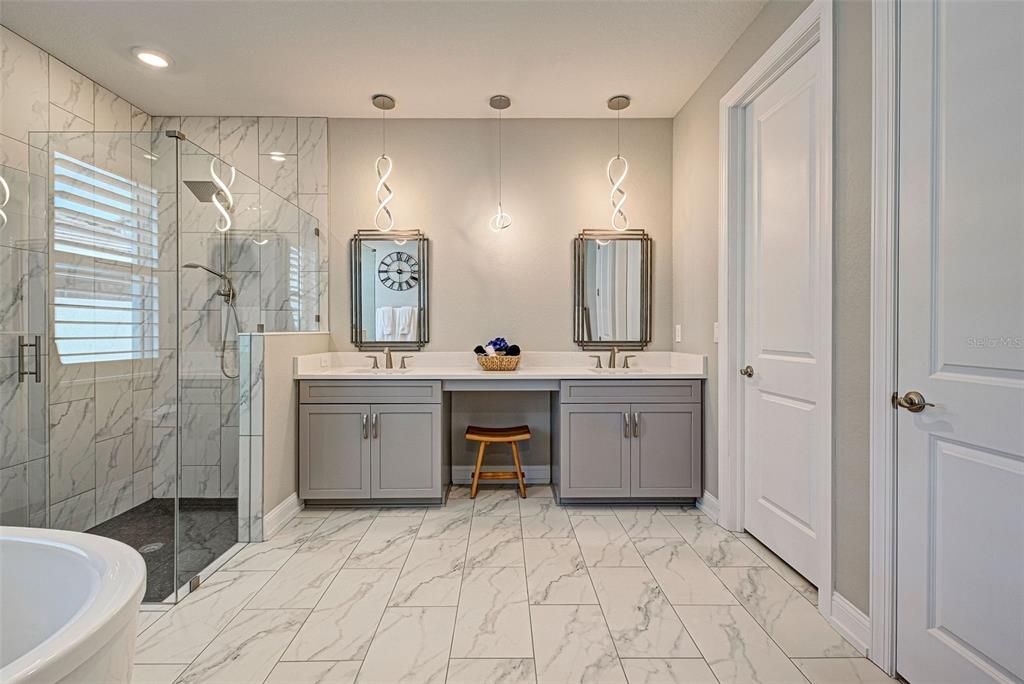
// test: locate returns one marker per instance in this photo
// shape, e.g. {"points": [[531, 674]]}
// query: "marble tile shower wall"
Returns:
{"points": [[98, 418], [282, 285]]}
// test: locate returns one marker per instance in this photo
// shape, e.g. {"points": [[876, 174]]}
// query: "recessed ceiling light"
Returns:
{"points": [[152, 58]]}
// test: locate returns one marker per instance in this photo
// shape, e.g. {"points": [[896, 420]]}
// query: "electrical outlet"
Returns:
{"points": [[324, 362], [679, 333], [715, 328]]}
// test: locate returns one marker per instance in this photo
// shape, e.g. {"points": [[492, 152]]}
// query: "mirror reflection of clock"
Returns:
{"points": [[399, 271]]}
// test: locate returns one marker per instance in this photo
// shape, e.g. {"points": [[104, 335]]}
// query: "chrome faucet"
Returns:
{"points": [[611, 357]]}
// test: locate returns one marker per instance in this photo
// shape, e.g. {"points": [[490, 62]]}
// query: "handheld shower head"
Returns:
{"points": [[209, 270]]}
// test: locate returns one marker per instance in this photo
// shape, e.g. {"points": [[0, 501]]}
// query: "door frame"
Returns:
{"points": [[885, 41], [814, 26]]}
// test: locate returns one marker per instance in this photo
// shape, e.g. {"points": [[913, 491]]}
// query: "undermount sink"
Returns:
{"points": [[377, 371], [617, 371]]}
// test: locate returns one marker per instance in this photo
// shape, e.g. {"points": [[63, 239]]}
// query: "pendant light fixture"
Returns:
{"points": [[618, 164], [382, 218], [501, 220]]}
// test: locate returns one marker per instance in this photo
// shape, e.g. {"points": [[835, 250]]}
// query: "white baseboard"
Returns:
{"points": [[279, 517], [850, 622], [708, 505], [534, 474]]}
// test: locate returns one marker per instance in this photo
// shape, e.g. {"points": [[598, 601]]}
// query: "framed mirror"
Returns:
{"points": [[389, 289], [612, 289]]}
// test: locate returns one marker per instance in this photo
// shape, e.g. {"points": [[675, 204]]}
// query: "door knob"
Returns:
{"points": [[747, 371], [912, 401]]}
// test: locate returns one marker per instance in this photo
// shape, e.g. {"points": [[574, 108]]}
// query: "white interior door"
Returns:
{"points": [[785, 429], [960, 463]]}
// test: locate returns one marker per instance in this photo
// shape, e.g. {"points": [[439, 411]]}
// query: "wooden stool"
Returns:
{"points": [[486, 436]]}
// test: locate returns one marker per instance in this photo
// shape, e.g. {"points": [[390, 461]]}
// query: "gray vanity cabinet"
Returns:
{"points": [[406, 451], [334, 451], [630, 440]]}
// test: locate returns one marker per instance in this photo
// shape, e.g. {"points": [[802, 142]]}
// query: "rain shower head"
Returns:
{"points": [[204, 190]]}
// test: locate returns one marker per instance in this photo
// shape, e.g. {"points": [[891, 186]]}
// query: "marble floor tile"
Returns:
{"points": [[497, 501], [187, 628], [667, 671], [736, 647], [588, 509], [432, 575], [298, 528], [272, 554], [156, 674], [444, 523], [642, 621], [794, 578], [147, 618], [493, 619], [347, 523], [795, 625], [318, 672], [604, 542], [842, 671], [556, 572], [247, 649], [385, 544], [542, 518], [645, 522], [539, 491], [573, 646], [715, 545], [681, 573], [411, 647], [343, 622], [403, 512], [304, 577], [496, 542], [491, 671]]}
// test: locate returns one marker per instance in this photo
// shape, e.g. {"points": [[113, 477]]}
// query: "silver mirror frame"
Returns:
{"points": [[423, 256], [580, 318]]}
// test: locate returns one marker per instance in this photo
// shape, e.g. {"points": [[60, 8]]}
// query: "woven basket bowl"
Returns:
{"points": [[498, 363]]}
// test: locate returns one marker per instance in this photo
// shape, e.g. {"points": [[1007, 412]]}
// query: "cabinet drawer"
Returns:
{"points": [[630, 391], [369, 392]]}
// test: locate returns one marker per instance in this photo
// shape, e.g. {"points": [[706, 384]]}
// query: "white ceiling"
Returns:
{"points": [[438, 59]]}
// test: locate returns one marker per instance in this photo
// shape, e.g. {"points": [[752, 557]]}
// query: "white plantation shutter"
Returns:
{"points": [[104, 251]]}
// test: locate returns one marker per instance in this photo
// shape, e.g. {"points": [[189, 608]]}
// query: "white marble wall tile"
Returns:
{"points": [[386, 543], [114, 484], [70, 90], [14, 154], [573, 646], [23, 416], [343, 622], [182, 633], [328, 672], [304, 577], [496, 542], [681, 573], [432, 574], [277, 214], [26, 208], [556, 572], [165, 462], [113, 400], [715, 545], [200, 435], [22, 291], [256, 383], [247, 649], [24, 85], [142, 427], [842, 671], [795, 625], [229, 458], [76, 514], [239, 143], [112, 112], [142, 486], [141, 121], [113, 153], [661, 670], [278, 134], [493, 618], [255, 489], [410, 647], [14, 495], [72, 449], [497, 670], [736, 648], [69, 382], [203, 131], [280, 174], [604, 542], [202, 482], [642, 621], [312, 155]]}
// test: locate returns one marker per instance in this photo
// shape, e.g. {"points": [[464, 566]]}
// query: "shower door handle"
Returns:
{"points": [[38, 347]]}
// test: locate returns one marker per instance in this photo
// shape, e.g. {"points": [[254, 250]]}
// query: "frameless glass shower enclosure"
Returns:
{"points": [[129, 265]]}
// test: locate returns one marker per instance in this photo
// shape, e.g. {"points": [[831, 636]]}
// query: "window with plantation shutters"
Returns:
{"points": [[104, 252]]}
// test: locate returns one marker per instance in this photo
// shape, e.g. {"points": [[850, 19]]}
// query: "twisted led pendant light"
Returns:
{"points": [[223, 200], [617, 196], [501, 219], [5, 197], [382, 218]]}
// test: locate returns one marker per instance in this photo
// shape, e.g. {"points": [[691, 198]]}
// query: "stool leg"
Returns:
{"points": [[476, 473], [519, 470]]}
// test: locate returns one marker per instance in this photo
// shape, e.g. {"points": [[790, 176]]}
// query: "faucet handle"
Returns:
{"points": [[402, 364], [596, 356], [626, 358], [375, 365]]}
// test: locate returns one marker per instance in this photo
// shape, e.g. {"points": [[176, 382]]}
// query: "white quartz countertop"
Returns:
{"points": [[534, 366]]}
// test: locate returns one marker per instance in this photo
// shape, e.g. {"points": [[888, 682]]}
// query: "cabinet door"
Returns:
{"points": [[595, 450], [406, 451], [666, 450], [334, 451]]}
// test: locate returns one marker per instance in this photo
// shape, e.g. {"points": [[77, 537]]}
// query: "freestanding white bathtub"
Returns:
{"points": [[69, 606]]}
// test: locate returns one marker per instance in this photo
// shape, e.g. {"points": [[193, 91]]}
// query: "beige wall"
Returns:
{"points": [[280, 407], [695, 257], [516, 283]]}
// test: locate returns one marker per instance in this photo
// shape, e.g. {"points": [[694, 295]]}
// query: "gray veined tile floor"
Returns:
{"points": [[500, 590]]}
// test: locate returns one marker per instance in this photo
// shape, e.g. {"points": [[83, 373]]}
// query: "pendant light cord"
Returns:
{"points": [[499, 159]]}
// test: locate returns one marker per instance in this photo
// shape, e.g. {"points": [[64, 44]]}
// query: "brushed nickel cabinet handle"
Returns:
{"points": [[366, 428], [376, 431], [636, 424], [625, 425]]}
